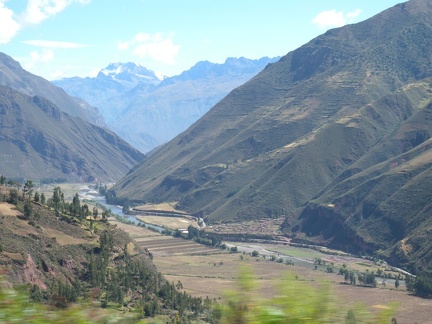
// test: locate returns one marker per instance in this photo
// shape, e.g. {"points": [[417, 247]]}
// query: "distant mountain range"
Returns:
{"points": [[335, 137], [148, 110], [41, 136]]}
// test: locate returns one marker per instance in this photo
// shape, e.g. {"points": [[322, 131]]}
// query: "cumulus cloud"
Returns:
{"points": [[54, 44], [35, 12], [9, 27], [155, 46], [39, 10], [333, 18]]}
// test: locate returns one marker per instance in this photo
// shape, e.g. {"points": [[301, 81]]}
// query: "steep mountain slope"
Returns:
{"points": [[301, 127], [39, 141], [148, 112], [383, 199], [14, 76]]}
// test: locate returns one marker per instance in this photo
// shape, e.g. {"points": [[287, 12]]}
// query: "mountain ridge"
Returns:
{"points": [[276, 144], [15, 77], [151, 113], [39, 141]]}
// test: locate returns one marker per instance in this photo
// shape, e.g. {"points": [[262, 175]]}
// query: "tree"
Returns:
{"points": [[85, 210], [2, 179], [27, 209], [28, 189], [13, 197], [105, 215], [42, 198], [350, 317], [36, 196], [95, 212], [397, 283], [75, 207], [57, 199]]}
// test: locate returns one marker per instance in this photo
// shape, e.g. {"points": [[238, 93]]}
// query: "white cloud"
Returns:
{"points": [[333, 18], [123, 45], [353, 14], [54, 44], [8, 25], [36, 11], [154, 46], [36, 57], [39, 10]]}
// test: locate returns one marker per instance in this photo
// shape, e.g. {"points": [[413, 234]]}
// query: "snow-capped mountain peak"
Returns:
{"points": [[128, 71]]}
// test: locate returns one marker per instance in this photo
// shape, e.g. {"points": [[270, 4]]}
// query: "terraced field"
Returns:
{"points": [[162, 245], [205, 271], [172, 246]]}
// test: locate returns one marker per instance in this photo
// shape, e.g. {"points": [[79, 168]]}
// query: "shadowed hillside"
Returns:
{"points": [[39, 141], [14, 76]]}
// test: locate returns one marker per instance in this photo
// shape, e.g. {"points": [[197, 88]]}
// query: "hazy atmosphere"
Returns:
{"points": [[216, 162]]}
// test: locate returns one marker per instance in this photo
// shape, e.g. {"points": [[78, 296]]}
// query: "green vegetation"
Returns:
{"points": [[316, 305], [103, 266], [421, 285], [17, 307]]}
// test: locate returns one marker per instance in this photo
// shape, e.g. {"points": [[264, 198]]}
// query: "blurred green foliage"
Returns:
{"points": [[297, 301]]}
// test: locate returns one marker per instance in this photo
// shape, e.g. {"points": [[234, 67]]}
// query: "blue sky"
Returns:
{"points": [[64, 38]]}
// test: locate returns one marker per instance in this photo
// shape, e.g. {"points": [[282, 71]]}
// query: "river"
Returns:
{"points": [[131, 218]]}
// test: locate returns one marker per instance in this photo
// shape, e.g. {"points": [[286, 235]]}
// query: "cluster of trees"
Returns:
{"points": [[59, 294], [349, 275], [421, 285], [24, 200], [131, 277], [199, 236], [365, 279]]}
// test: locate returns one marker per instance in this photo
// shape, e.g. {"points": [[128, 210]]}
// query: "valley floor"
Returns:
{"points": [[205, 271]]}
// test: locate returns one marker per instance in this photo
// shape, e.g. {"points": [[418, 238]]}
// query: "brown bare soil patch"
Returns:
{"points": [[20, 227], [62, 238], [133, 230], [8, 210], [14, 256]]}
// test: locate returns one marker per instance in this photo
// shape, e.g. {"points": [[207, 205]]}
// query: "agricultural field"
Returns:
{"points": [[164, 207], [169, 222], [205, 271], [257, 227]]}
